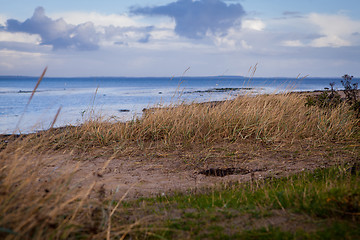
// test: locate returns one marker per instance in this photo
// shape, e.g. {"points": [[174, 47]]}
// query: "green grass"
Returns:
{"points": [[324, 204]]}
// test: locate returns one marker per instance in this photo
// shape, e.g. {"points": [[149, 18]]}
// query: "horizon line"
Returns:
{"points": [[179, 76]]}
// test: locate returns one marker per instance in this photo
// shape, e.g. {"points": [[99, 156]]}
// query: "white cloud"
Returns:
{"points": [[164, 22], [20, 61], [293, 43], [317, 30], [2, 19], [19, 54], [334, 24], [337, 30], [19, 37], [276, 37], [163, 34], [330, 41], [224, 42], [82, 33], [254, 24], [57, 33], [245, 45], [98, 19]]}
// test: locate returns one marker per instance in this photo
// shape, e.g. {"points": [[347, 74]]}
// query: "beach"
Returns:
{"points": [[123, 99], [188, 149], [179, 119]]}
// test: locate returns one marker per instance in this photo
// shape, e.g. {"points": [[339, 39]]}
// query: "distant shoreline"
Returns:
{"points": [[179, 76], [4, 136]]}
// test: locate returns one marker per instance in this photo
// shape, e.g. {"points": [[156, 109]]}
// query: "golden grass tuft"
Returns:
{"points": [[38, 204], [266, 117], [281, 117]]}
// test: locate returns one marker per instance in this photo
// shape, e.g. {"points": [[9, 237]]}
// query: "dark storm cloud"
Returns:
{"points": [[57, 33], [194, 18]]}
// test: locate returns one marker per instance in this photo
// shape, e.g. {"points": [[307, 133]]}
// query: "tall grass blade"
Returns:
{"points": [[36, 86], [31, 96], [55, 118]]}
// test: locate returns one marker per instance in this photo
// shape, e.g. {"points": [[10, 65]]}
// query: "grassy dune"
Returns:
{"points": [[262, 117], [325, 203]]}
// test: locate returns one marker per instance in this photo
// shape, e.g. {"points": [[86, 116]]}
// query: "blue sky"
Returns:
{"points": [[319, 38]]}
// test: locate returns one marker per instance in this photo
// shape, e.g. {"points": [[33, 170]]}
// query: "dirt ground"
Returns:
{"points": [[181, 171]]}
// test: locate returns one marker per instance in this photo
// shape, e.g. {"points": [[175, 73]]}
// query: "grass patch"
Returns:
{"points": [[323, 204]]}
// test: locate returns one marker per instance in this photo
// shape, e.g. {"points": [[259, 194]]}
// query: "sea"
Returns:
{"points": [[75, 100]]}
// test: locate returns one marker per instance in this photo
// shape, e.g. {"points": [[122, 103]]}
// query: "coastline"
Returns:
{"points": [[207, 103], [210, 151], [123, 98]]}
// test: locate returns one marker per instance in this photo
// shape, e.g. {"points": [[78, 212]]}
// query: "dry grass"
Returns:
{"points": [[38, 206], [29, 210], [267, 117], [263, 117]]}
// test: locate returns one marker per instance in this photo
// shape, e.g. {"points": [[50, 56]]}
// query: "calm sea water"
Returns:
{"points": [[120, 98]]}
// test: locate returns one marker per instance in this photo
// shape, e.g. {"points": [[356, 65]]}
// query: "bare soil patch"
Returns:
{"points": [[149, 173]]}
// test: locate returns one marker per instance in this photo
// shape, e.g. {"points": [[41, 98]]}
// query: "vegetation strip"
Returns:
{"points": [[36, 203]]}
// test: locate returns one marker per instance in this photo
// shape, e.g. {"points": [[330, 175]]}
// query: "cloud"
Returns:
{"points": [[145, 39], [194, 19], [80, 35], [254, 24], [337, 30], [57, 33], [117, 20], [312, 30], [19, 37], [293, 43], [2, 21]]}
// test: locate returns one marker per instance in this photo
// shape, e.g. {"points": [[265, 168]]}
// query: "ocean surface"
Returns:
{"points": [[122, 98]]}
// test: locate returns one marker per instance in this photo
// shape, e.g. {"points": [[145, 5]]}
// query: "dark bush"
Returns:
{"points": [[351, 92], [330, 98], [325, 99], [350, 89]]}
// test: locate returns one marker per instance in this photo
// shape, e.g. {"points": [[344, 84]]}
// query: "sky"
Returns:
{"points": [[164, 38]]}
